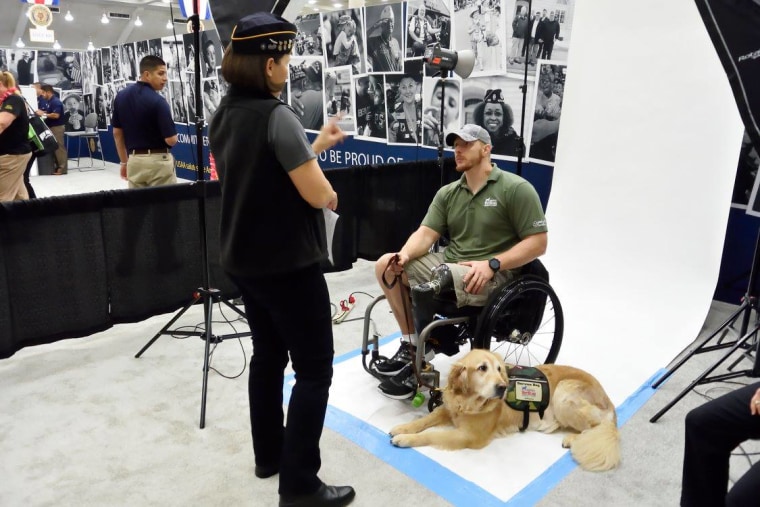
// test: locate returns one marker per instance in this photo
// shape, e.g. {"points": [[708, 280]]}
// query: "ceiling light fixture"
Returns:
{"points": [[104, 19], [20, 43], [138, 21], [56, 45], [90, 46], [169, 24], [68, 16]]}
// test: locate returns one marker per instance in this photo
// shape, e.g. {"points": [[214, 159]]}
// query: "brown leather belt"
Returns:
{"points": [[149, 151]]}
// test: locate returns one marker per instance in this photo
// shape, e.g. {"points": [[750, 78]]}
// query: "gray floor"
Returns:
{"points": [[87, 424]]}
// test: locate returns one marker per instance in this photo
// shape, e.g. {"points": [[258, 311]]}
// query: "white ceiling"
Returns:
{"points": [[86, 25]]}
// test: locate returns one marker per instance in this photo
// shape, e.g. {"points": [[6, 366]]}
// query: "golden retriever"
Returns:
{"points": [[473, 402]]}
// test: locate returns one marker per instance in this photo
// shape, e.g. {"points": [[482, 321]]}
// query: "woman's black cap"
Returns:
{"points": [[263, 33]]}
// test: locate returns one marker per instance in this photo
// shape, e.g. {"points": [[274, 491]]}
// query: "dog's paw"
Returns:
{"points": [[402, 440], [398, 430], [567, 442]]}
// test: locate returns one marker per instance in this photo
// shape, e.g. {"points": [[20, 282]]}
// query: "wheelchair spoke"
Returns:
{"points": [[525, 324]]}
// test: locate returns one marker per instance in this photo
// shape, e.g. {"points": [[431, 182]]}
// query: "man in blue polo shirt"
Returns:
{"points": [[143, 128], [52, 110]]}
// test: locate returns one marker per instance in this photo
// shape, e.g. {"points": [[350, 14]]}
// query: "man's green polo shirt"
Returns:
{"points": [[503, 212]]}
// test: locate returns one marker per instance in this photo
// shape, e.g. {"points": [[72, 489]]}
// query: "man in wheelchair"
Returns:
{"points": [[495, 224]]}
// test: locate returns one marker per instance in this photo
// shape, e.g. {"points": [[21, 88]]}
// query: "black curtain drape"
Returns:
{"points": [[54, 270], [78, 264]]}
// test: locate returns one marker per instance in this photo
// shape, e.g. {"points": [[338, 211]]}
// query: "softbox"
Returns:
{"points": [[734, 27], [227, 13]]}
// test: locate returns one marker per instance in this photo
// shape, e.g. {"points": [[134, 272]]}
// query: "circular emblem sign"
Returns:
{"points": [[40, 15]]}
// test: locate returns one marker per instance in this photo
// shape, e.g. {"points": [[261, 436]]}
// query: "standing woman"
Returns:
{"points": [[15, 150], [273, 193]]}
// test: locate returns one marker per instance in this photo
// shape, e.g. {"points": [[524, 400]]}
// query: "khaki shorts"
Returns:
{"points": [[420, 270]]}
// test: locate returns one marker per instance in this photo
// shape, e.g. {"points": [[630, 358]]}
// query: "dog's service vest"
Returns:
{"points": [[528, 391]]}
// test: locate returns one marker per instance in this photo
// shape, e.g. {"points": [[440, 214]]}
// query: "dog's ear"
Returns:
{"points": [[503, 367], [458, 378]]}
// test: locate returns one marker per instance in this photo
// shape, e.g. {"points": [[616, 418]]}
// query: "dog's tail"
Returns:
{"points": [[597, 449]]}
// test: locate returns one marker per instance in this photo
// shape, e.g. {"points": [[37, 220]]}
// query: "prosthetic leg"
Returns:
{"points": [[425, 298]]}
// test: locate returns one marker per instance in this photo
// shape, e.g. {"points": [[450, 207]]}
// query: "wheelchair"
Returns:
{"points": [[521, 321]]}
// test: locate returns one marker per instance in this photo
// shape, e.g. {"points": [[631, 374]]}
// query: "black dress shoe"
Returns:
{"points": [[332, 496], [263, 472]]}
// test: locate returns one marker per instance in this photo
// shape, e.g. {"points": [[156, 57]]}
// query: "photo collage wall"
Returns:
{"points": [[88, 81], [363, 68]]}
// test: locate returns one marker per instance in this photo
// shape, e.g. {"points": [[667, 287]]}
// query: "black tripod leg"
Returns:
{"points": [[704, 375], [167, 326], [208, 306], [235, 308], [744, 306]]}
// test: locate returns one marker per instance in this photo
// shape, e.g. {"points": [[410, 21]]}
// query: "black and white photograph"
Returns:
{"points": [[211, 97], [309, 37], [109, 92], [116, 70], [403, 100], [142, 50], [87, 105], [547, 109], [495, 103], [73, 111], [178, 105], [480, 27], [223, 85], [428, 22], [97, 62], [211, 53], [189, 87], [307, 97], [369, 103], [440, 97], [188, 62], [384, 38], [344, 43], [174, 56], [129, 70], [338, 98], [60, 69], [105, 65], [547, 31], [22, 64], [120, 85], [155, 48], [89, 73], [102, 107]]}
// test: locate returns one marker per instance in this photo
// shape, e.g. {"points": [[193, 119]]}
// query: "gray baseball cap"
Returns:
{"points": [[468, 133]]}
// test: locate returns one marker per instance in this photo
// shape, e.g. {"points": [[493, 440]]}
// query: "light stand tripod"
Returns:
{"points": [[444, 75], [524, 89], [205, 293], [749, 303]]}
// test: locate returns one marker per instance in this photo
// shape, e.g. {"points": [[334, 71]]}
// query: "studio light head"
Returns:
{"points": [[461, 62]]}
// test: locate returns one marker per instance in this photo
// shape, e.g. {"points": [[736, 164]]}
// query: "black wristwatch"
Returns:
{"points": [[494, 264]]}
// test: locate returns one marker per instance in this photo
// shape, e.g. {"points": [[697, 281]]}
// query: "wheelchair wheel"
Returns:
{"points": [[523, 323]]}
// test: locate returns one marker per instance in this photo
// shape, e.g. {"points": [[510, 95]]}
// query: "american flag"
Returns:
{"points": [[187, 8], [44, 2]]}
